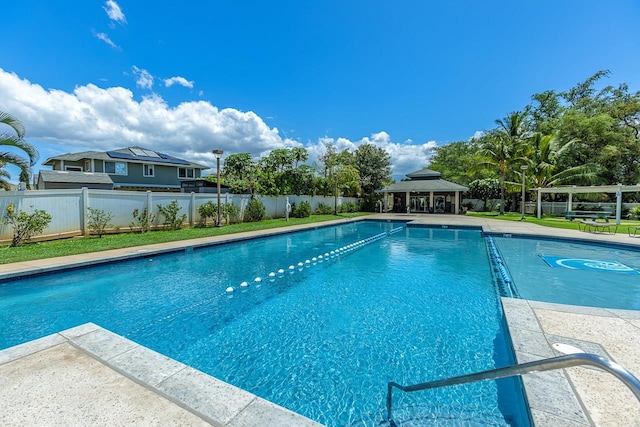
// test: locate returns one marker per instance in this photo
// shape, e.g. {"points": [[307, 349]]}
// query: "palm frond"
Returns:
{"points": [[13, 159], [17, 142], [16, 124]]}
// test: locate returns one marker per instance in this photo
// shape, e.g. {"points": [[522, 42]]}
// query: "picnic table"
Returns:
{"points": [[592, 215]]}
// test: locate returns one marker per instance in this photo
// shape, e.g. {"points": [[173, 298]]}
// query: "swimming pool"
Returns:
{"points": [[322, 339], [572, 272]]}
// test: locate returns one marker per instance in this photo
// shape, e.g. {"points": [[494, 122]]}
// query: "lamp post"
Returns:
{"points": [[218, 153], [523, 169]]}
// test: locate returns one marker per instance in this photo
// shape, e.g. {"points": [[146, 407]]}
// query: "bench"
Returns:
{"points": [[592, 215], [595, 227]]}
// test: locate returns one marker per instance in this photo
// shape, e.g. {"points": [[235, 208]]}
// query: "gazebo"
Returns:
{"points": [[570, 191], [425, 191]]}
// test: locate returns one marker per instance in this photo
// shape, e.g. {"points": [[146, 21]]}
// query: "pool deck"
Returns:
{"points": [[88, 375]]}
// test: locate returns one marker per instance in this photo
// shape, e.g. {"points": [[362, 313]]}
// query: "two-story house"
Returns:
{"points": [[131, 168]]}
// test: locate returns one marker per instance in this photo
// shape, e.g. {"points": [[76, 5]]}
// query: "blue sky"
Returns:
{"points": [[247, 76]]}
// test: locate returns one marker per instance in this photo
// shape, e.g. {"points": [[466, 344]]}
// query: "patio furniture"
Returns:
{"points": [[593, 215], [597, 227], [634, 231]]}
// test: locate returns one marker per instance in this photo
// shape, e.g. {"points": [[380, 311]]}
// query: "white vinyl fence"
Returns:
{"points": [[68, 208]]}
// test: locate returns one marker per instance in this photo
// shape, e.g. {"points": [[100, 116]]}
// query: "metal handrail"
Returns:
{"points": [[559, 362]]}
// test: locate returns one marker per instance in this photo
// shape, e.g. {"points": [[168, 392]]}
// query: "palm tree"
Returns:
{"points": [[505, 148], [545, 170], [16, 141]]}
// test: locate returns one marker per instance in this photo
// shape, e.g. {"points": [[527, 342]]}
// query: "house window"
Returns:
{"points": [[87, 165], [116, 168], [186, 173], [147, 170], [73, 168]]}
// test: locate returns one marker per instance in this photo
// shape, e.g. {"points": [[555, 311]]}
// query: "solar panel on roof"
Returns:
{"points": [[138, 151], [150, 153], [119, 155], [161, 158]]}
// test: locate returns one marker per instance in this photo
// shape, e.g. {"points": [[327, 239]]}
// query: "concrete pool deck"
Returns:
{"points": [[110, 380]]}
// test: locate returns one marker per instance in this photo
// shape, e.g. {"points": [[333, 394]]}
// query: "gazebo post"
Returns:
{"points": [[570, 201], [539, 207]]}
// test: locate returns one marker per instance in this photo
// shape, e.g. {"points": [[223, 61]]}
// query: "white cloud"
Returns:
{"points": [[405, 157], [114, 12], [477, 134], [144, 79], [180, 81], [105, 38], [95, 118]]}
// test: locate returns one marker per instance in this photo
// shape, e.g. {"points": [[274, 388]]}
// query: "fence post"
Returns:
{"points": [[84, 204], [192, 209], [149, 207]]}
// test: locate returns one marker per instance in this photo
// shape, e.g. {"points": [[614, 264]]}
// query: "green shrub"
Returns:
{"points": [[302, 210], [98, 221], [25, 225], [207, 210], [172, 219], [323, 209], [255, 211], [348, 207], [231, 213], [142, 219], [635, 212]]}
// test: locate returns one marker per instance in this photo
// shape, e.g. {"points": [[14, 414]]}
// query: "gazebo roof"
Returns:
{"points": [[424, 174], [423, 181]]}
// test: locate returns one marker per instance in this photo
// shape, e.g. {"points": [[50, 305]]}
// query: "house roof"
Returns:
{"points": [[75, 177], [131, 154], [423, 181]]}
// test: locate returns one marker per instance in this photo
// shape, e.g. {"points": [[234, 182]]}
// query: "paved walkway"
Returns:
{"points": [[110, 380]]}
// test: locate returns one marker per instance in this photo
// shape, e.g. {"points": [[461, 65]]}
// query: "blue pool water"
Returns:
{"points": [[573, 273], [322, 340]]}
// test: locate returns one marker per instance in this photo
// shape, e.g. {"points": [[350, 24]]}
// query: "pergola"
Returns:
{"points": [[617, 189]]}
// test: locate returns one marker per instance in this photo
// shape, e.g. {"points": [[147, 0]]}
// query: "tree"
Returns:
{"points": [[546, 112], [374, 166], [505, 149], [15, 141], [455, 162], [240, 173], [606, 126], [299, 154], [484, 189], [301, 180], [545, 170]]}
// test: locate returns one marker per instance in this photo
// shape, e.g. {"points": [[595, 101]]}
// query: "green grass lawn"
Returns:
{"points": [[548, 221], [81, 245]]}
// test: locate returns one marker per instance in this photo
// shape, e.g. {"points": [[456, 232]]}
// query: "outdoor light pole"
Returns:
{"points": [[523, 169], [218, 153]]}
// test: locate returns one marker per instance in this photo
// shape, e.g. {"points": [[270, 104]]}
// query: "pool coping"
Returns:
{"points": [[557, 398], [214, 401], [569, 414]]}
